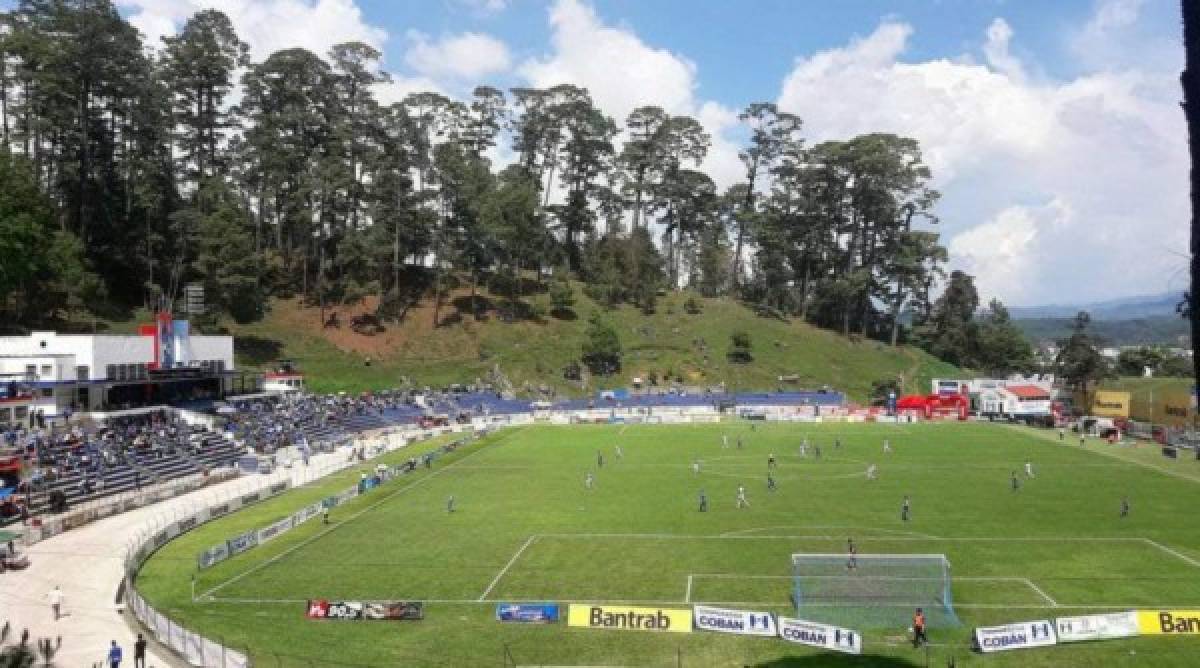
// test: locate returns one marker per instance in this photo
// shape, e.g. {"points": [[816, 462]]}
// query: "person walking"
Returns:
{"points": [[56, 597], [918, 629], [114, 655], [139, 652]]}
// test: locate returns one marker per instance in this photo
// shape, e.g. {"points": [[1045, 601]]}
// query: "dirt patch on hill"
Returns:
{"points": [[414, 336]]}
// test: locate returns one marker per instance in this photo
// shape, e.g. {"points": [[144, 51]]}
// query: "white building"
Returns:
{"points": [[51, 372], [1014, 397]]}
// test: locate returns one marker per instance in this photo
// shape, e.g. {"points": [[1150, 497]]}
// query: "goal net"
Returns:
{"points": [[873, 589]]}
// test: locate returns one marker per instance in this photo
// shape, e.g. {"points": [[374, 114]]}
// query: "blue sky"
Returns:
{"points": [[1052, 126]]}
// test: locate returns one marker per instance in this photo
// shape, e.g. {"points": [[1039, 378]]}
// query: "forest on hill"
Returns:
{"points": [[132, 170]]}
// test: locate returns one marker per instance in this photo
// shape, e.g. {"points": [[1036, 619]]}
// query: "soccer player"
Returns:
{"points": [[918, 629], [599, 459], [905, 508], [837, 443], [872, 472], [887, 446], [1016, 484], [724, 441], [770, 483], [703, 502], [1082, 437], [1029, 469], [804, 449], [620, 455], [1124, 506], [741, 497], [450, 504], [851, 555], [588, 480], [817, 451], [1062, 433], [739, 442], [696, 466], [771, 460]]}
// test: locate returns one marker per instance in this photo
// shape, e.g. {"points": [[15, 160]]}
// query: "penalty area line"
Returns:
{"points": [[496, 580], [1172, 552]]}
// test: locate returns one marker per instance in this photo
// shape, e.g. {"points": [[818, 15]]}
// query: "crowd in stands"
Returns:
{"points": [[81, 461]]}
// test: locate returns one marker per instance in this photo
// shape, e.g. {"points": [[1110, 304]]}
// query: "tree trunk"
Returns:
{"points": [[1191, 108]]}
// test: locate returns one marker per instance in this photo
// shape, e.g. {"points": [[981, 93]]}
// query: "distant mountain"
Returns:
{"points": [[1127, 308], [1160, 329]]}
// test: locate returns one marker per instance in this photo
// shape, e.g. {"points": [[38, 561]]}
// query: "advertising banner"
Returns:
{"points": [[356, 610], [395, 610], [213, 555], [278, 487], [1107, 403], [305, 514], [251, 498], [244, 542], [820, 635], [630, 618], [741, 622], [544, 613], [1038, 633], [267, 533], [1097, 627], [1168, 622]]}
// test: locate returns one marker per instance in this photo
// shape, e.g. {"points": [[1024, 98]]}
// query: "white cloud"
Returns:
{"points": [[998, 252], [400, 86], [1013, 155], [623, 73], [483, 7], [466, 56], [999, 35], [266, 25]]}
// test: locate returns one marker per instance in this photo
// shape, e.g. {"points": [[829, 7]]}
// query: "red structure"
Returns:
{"points": [[943, 406]]}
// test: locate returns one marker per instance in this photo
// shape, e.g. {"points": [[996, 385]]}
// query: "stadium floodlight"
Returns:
{"points": [[881, 589]]}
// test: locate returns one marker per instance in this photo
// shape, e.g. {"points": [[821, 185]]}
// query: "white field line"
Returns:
{"points": [[1041, 593], [1152, 467], [261, 565], [517, 555], [741, 532], [971, 539], [687, 595], [638, 601], [1173, 553]]}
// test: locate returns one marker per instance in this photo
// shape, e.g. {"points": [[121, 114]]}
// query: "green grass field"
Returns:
{"points": [[526, 529]]}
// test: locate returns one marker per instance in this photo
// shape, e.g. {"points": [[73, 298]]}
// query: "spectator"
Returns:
{"points": [[139, 652], [114, 655]]}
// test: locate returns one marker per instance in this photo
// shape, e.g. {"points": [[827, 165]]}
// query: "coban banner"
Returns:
{"points": [[244, 542], [544, 613], [1169, 622], [1097, 627], [741, 622], [630, 618], [820, 635], [354, 610], [1039, 633]]}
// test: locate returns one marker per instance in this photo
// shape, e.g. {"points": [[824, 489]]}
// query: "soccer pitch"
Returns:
{"points": [[526, 529]]}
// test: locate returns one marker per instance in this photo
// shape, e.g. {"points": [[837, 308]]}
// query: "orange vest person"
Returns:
{"points": [[918, 629]]}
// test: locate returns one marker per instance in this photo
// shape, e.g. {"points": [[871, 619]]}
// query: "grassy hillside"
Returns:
{"points": [[670, 342]]}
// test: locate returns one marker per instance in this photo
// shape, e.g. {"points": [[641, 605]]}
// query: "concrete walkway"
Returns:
{"points": [[88, 564]]}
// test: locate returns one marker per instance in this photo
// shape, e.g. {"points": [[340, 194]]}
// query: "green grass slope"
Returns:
{"points": [[669, 343], [527, 529]]}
